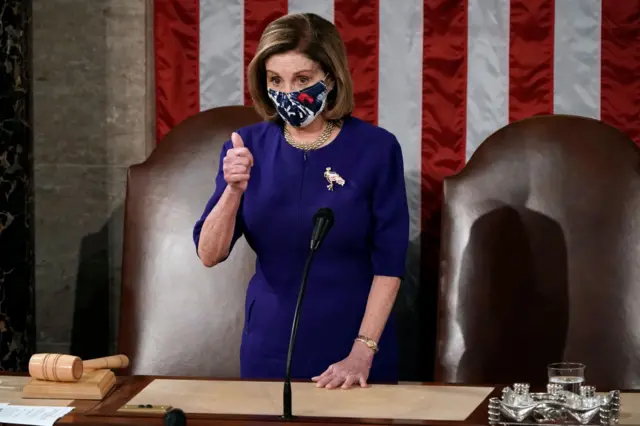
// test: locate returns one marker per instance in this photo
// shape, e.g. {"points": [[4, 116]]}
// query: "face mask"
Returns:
{"points": [[300, 108]]}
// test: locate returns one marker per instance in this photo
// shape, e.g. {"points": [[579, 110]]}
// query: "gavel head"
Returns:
{"points": [[56, 367]]}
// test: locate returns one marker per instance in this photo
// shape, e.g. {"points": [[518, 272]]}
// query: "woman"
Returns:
{"points": [[273, 178]]}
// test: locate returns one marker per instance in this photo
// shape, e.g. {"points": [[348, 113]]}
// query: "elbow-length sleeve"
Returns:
{"points": [[220, 185], [390, 214]]}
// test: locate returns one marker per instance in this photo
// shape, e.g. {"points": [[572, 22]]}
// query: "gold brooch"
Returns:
{"points": [[333, 177]]}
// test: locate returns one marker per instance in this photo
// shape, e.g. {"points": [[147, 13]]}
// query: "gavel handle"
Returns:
{"points": [[114, 361]]}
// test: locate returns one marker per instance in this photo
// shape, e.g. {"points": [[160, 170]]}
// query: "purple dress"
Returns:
{"points": [[369, 237]]}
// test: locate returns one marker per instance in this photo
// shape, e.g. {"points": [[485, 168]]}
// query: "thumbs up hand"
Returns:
{"points": [[237, 164]]}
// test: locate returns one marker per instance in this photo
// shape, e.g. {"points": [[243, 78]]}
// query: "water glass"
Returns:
{"points": [[570, 375]]}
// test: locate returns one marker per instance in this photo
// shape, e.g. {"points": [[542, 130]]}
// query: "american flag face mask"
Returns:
{"points": [[300, 108]]}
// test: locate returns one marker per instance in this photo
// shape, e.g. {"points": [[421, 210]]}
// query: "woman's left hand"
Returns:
{"points": [[352, 370]]}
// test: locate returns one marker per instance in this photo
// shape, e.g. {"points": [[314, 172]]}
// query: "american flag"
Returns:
{"points": [[442, 75]]}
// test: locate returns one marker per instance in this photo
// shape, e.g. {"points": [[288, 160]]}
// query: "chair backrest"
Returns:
{"points": [[178, 317], [540, 256]]}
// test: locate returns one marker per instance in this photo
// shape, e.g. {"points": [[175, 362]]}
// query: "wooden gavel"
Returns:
{"points": [[69, 368]]}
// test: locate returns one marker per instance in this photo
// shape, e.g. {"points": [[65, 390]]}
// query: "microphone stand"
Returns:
{"points": [[323, 221], [294, 330]]}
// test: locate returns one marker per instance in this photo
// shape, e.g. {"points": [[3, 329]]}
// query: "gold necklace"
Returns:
{"points": [[322, 139]]}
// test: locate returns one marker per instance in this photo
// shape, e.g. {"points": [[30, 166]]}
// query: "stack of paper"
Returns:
{"points": [[30, 415]]}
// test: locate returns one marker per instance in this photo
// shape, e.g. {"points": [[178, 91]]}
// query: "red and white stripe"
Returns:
{"points": [[442, 75]]}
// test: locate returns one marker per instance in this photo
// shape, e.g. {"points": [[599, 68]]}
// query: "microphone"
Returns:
{"points": [[322, 223], [175, 417]]}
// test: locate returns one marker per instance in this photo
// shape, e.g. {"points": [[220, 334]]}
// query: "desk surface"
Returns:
{"points": [[106, 412]]}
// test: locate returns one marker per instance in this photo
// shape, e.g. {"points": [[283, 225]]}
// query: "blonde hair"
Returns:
{"points": [[320, 41]]}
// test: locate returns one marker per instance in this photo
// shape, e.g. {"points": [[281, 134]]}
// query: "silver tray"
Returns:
{"points": [[556, 406]]}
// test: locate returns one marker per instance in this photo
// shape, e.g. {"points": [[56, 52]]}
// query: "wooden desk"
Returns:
{"points": [[106, 412]]}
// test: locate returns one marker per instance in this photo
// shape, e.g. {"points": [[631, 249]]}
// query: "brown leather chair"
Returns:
{"points": [[178, 317], [540, 256]]}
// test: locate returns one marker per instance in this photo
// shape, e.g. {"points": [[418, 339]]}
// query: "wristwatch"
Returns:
{"points": [[371, 344]]}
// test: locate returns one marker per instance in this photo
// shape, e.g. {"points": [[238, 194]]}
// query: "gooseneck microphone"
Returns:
{"points": [[175, 417], [322, 223]]}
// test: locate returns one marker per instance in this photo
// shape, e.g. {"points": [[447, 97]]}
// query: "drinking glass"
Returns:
{"points": [[570, 375]]}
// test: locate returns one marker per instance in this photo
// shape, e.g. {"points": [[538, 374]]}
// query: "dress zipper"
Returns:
{"points": [[301, 195]]}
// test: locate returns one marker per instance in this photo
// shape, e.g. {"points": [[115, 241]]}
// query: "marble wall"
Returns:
{"points": [[91, 120], [16, 187]]}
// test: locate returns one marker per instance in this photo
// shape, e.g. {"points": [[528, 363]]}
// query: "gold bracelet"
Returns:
{"points": [[371, 344]]}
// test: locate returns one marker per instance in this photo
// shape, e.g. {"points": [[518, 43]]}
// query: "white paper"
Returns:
{"points": [[30, 415]]}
